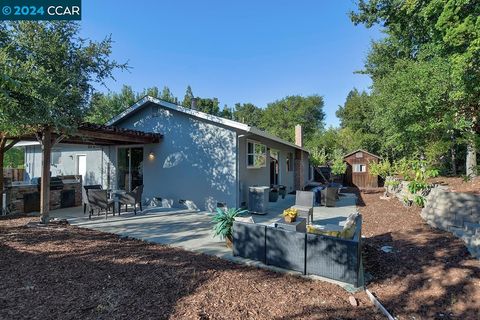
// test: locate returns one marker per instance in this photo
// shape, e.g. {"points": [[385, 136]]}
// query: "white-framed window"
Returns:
{"points": [[256, 155], [359, 155], [359, 167]]}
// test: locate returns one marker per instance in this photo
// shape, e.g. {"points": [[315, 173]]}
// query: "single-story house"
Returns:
{"points": [[202, 158]]}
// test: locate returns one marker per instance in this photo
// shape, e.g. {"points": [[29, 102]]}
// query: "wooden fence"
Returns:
{"points": [[14, 174]]}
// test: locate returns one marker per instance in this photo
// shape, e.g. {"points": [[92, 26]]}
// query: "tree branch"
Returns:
{"points": [[11, 144]]}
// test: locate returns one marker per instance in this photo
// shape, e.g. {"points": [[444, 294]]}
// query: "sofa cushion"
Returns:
{"points": [[327, 230], [245, 219], [349, 226]]}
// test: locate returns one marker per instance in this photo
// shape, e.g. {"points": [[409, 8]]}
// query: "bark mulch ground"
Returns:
{"points": [[65, 272], [428, 275]]}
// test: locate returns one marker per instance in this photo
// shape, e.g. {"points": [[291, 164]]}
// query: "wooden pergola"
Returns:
{"points": [[86, 134]]}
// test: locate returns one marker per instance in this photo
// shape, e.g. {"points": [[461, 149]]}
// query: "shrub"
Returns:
{"points": [[223, 221]]}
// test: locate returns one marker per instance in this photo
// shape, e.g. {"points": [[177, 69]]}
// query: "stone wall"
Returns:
{"points": [[446, 209], [455, 212], [399, 189]]}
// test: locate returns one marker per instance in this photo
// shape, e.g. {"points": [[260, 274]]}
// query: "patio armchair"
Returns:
{"points": [[304, 201], [131, 198], [331, 196], [98, 200], [85, 192]]}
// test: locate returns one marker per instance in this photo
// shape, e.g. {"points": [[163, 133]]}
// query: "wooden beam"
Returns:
{"points": [[45, 179], [11, 144], [116, 137]]}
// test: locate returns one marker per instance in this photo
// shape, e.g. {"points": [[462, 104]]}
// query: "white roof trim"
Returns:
{"points": [[27, 143], [202, 115]]}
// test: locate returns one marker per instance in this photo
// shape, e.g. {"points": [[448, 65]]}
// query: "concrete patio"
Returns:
{"points": [[193, 230]]}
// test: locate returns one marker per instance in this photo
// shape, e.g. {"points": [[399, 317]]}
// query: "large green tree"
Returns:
{"points": [[53, 73], [281, 116], [208, 105], [356, 122], [421, 31], [187, 99], [104, 106], [248, 113]]}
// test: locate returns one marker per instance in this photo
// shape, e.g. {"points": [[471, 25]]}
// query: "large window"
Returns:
{"points": [[359, 167], [256, 155], [129, 168]]}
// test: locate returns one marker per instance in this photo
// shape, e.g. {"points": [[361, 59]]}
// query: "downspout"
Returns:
{"points": [[239, 194]]}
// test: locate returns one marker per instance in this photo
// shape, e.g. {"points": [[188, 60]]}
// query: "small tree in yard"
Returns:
{"points": [[338, 166], [51, 92], [382, 169]]}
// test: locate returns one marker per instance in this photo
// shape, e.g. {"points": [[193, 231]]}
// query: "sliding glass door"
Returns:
{"points": [[129, 168]]}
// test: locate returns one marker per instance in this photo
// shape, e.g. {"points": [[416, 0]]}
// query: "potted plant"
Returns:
{"points": [[290, 215], [223, 221]]}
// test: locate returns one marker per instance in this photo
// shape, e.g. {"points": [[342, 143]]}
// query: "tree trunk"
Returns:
{"points": [[453, 153], [45, 179], [471, 163], [2, 157]]}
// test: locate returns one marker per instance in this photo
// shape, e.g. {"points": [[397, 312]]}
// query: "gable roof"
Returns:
{"points": [[361, 150], [201, 115]]}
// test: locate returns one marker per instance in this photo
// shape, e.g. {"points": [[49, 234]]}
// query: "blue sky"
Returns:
{"points": [[237, 51]]}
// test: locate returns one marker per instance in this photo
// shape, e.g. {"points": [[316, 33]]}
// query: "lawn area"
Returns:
{"points": [[68, 272]]}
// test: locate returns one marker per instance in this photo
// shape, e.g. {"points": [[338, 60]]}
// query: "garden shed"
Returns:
{"points": [[358, 171]]}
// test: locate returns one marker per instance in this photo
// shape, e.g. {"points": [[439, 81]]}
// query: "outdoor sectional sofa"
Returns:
{"points": [[326, 256]]}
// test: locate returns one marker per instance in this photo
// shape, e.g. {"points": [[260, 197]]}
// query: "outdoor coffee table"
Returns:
{"points": [[299, 225]]}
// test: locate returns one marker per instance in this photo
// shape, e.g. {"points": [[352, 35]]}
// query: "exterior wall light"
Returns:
{"points": [[151, 156]]}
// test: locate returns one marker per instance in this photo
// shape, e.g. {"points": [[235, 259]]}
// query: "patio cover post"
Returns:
{"points": [[45, 179]]}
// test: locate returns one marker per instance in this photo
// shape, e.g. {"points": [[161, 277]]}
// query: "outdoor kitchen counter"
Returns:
{"points": [[25, 197]]}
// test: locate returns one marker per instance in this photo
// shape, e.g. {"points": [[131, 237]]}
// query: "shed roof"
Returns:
{"points": [[361, 150]]}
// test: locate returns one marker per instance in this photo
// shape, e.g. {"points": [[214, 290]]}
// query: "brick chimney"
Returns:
{"points": [[194, 104], [299, 135]]}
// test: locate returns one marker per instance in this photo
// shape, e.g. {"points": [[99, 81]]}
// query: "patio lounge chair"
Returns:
{"points": [[84, 195], [98, 200], [304, 204], [131, 198]]}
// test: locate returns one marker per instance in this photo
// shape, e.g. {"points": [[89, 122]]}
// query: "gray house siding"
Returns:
{"points": [[64, 162], [261, 176], [196, 160]]}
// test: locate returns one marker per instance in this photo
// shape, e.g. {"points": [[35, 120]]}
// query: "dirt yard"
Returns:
{"points": [[457, 184], [65, 272], [429, 273], [71, 273]]}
